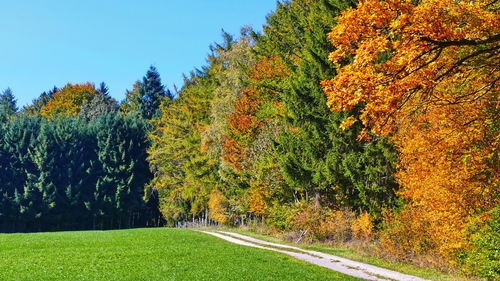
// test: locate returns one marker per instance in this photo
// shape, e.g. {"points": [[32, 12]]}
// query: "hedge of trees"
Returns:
{"points": [[74, 160], [342, 121]]}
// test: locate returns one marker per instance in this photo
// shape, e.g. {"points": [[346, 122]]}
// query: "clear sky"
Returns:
{"points": [[52, 42]]}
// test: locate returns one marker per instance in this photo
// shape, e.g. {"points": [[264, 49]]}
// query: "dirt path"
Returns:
{"points": [[346, 266]]}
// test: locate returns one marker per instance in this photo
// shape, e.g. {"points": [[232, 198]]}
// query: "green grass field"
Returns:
{"points": [[145, 254]]}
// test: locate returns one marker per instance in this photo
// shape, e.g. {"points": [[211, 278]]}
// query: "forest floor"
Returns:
{"points": [[146, 254], [342, 265]]}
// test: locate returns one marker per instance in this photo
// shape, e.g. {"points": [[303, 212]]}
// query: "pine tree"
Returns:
{"points": [[16, 141], [18, 138], [122, 155], [152, 93], [43, 176], [103, 89], [31, 205], [317, 156], [5, 200], [8, 105]]}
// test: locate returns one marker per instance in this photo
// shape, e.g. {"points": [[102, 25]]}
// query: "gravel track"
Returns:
{"points": [[343, 265]]}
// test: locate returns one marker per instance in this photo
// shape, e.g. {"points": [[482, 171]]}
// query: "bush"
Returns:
{"points": [[362, 227], [483, 257], [280, 217], [405, 237], [321, 223]]}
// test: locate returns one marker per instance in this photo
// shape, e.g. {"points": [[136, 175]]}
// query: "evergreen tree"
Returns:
{"points": [[31, 205], [316, 155], [69, 174], [151, 94], [43, 176], [122, 155], [5, 200], [103, 89], [77, 149], [39, 102], [16, 141], [8, 105]]}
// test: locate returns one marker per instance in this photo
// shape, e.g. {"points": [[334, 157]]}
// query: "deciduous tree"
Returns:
{"points": [[68, 101], [426, 74]]}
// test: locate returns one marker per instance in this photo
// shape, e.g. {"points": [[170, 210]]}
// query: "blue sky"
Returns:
{"points": [[50, 43]]}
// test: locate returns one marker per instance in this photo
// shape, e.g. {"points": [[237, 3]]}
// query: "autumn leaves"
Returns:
{"points": [[427, 76]]}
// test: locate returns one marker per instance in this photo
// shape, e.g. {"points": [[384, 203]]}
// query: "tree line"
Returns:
{"points": [[373, 123], [346, 122], [75, 160]]}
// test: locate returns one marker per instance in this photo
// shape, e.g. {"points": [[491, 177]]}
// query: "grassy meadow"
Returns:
{"points": [[145, 254]]}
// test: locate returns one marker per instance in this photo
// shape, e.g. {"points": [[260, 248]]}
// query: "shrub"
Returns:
{"points": [[321, 223], [362, 227], [483, 256], [405, 237], [280, 217]]}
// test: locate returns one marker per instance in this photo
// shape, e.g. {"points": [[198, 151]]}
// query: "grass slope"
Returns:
{"points": [[145, 254]]}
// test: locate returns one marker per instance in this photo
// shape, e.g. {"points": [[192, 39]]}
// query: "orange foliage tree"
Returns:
{"points": [[69, 100], [426, 73], [244, 124], [251, 126]]}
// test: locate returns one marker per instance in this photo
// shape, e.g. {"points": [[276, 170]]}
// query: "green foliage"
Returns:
{"points": [[182, 173], [17, 137], [8, 105], [316, 155], [121, 152], [234, 60], [72, 174], [483, 256], [254, 125], [131, 103], [147, 96]]}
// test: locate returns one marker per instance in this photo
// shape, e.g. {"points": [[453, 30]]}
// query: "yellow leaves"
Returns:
{"points": [[369, 32], [368, 50], [435, 176], [362, 227], [455, 20], [338, 54], [433, 96], [217, 206], [69, 100], [348, 123], [257, 197]]}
